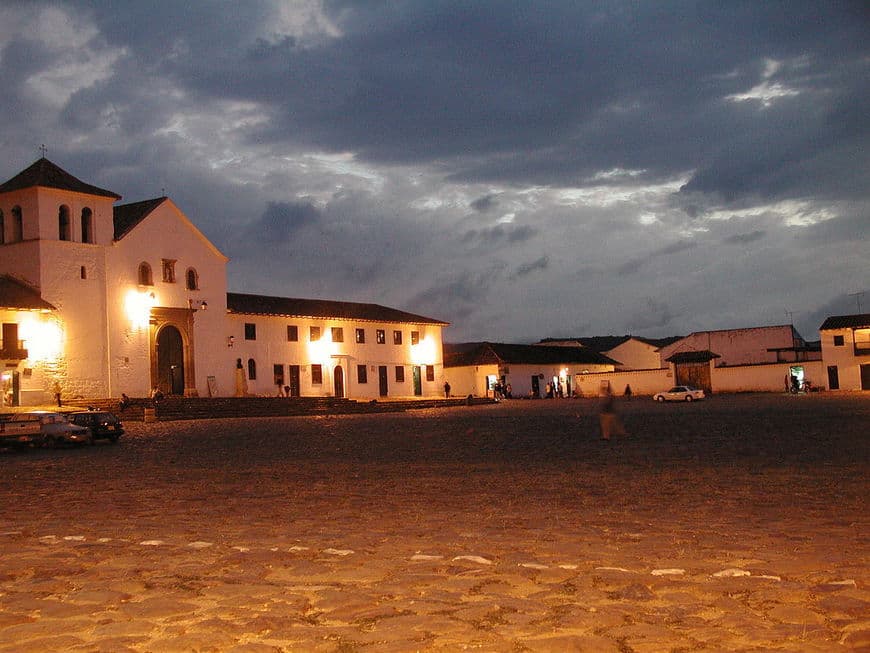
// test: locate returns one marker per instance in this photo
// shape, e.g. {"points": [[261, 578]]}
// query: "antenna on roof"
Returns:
{"points": [[857, 296], [162, 192], [43, 149]]}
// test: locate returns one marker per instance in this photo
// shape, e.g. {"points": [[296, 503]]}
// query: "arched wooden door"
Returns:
{"points": [[170, 361], [338, 381]]}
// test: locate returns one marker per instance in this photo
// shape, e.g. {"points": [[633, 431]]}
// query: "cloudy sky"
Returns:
{"points": [[521, 170]]}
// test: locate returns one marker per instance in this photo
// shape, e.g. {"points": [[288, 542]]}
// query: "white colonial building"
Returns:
{"points": [[98, 300], [846, 351]]}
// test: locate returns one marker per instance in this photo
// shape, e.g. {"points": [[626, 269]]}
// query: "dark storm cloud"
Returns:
{"points": [[413, 125], [458, 297], [281, 220], [743, 239], [484, 204], [527, 268], [498, 234], [633, 266]]}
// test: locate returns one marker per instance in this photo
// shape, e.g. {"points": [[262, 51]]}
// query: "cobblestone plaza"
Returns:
{"points": [[737, 523]]}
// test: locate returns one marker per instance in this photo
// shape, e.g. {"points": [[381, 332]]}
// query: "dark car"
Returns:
{"points": [[103, 424]]}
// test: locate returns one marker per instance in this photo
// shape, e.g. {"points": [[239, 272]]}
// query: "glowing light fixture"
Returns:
{"points": [[138, 306], [43, 337], [423, 353]]}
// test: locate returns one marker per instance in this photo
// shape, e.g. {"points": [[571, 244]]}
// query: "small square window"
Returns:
{"points": [[292, 333], [362, 375], [839, 341], [400, 374], [250, 331], [316, 374], [430, 372], [415, 337], [360, 336], [314, 334], [337, 334], [397, 337], [381, 336]]}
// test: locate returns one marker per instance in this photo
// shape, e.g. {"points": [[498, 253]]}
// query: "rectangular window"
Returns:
{"points": [[362, 375], [360, 336], [278, 375], [316, 374], [400, 374], [838, 341], [292, 333], [415, 337], [337, 334], [381, 336], [169, 270], [10, 336], [314, 334], [250, 331], [430, 372], [397, 337]]}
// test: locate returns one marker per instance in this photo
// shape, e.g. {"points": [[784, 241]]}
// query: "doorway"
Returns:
{"points": [[833, 378], [293, 373], [170, 361], [418, 381], [383, 387], [338, 381]]}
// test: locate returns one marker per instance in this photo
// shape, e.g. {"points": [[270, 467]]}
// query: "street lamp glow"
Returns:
{"points": [[138, 307], [43, 337], [423, 353]]}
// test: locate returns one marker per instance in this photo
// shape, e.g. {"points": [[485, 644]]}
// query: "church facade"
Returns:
{"points": [[99, 299]]}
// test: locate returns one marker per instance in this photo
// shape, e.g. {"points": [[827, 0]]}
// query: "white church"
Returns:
{"points": [[99, 299]]}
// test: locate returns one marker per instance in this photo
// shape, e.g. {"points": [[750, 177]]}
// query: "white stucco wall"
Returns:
{"points": [[636, 355], [642, 382], [843, 356], [769, 377], [736, 346], [271, 347], [167, 234]]}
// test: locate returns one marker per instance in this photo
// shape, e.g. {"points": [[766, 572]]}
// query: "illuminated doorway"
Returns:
{"points": [[170, 361], [338, 381]]}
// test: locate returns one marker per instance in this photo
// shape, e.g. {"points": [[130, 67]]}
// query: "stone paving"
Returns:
{"points": [[737, 524]]}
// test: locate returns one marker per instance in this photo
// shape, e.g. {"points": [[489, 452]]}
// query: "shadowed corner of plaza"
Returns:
{"points": [[735, 523]]}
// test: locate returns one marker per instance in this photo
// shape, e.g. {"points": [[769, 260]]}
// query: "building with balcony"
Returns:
{"points": [[99, 299], [846, 351]]}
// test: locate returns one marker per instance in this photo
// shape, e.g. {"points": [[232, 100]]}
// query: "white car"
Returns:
{"points": [[680, 393], [57, 429]]}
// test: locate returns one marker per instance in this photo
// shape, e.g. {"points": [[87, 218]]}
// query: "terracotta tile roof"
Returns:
{"points": [[128, 216], [17, 295], [49, 175], [488, 353], [607, 343], [321, 308], [859, 321], [704, 356]]}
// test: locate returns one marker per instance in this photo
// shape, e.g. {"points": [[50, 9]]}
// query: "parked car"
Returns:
{"points": [[57, 429], [679, 393], [103, 424], [20, 430]]}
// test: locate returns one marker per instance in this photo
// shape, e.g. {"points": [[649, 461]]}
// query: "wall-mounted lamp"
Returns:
{"points": [[195, 304], [231, 340]]}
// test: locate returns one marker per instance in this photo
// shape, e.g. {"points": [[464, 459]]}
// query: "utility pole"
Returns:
{"points": [[857, 296]]}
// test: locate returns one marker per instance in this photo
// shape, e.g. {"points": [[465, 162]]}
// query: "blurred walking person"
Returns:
{"points": [[610, 422]]}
